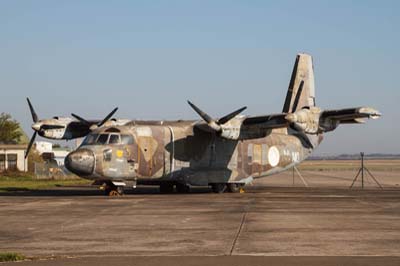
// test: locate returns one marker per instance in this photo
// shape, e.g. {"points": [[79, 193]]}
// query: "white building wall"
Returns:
{"points": [[22, 163]]}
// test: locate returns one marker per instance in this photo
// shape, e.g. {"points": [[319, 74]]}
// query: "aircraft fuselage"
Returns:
{"points": [[180, 152]]}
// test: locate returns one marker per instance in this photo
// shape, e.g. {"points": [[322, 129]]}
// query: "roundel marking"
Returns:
{"points": [[273, 156]]}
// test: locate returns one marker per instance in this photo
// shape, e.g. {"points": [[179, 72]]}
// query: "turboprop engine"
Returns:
{"points": [[305, 120], [313, 121]]}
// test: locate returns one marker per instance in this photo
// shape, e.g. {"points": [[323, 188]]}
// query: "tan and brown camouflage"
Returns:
{"points": [[225, 153]]}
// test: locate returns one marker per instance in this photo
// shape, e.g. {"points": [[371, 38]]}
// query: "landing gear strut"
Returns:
{"points": [[227, 187], [235, 187], [218, 187], [182, 188], [113, 191], [166, 188]]}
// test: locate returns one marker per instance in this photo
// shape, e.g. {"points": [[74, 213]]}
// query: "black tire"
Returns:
{"points": [[182, 188], [166, 188], [218, 187], [114, 193], [234, 187]]}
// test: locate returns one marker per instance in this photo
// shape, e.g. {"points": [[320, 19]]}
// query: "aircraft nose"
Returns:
{"points": [[36, 126], [80, 162]]}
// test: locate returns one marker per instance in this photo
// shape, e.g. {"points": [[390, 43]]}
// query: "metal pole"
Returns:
{"points": [[362, 169]]}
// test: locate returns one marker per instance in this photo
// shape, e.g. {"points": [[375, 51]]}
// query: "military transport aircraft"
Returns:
{"points": [[225, 153], [66, 127]]}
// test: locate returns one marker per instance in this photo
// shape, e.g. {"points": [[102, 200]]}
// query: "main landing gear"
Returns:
{"points": [[227, 187], [167, 188]]}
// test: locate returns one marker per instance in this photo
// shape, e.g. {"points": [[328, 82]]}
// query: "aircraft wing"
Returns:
{"points": [[313, 120], [267, 121]]}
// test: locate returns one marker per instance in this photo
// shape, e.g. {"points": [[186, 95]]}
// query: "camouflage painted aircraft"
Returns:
{"points": [[66, 127], [225, 154]]}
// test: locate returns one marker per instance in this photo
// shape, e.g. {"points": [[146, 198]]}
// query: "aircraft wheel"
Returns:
{"points": [[114, 191], [218, 187], [234, 187], [182, 188], [166, 188]]}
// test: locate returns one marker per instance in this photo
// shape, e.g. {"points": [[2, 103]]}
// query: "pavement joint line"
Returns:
{"points": [[238, 233], [240, 227]]}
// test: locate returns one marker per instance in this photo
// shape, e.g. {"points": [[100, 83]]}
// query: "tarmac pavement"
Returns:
{"points": [[263, 225]]}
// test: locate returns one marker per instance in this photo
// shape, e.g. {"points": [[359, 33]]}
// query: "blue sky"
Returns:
{"points": [[149, 57]]}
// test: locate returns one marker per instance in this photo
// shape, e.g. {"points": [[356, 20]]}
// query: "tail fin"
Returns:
{"points": [[301, 91]]}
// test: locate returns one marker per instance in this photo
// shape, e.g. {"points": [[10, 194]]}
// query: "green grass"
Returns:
{"points": [[26, 183], [9, 256]]}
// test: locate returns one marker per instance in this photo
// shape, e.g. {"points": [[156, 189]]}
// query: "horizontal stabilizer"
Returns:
{"points": [[330, 119], [351, 114]]}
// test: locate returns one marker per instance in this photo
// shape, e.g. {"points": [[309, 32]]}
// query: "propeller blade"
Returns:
{"points": [[298, 94], [228, 117], [30, 144], [202, 114], [107, 117], [80, 119], [33, 113]]}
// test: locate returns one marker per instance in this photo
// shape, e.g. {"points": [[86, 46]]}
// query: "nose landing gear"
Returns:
{"points": [[113, 191]]}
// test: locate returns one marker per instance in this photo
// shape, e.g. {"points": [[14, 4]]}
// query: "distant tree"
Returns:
{"points": [[10, 131]]}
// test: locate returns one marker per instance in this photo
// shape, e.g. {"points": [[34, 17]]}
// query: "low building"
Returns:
{"points": [[49, 153], [12, 157]]}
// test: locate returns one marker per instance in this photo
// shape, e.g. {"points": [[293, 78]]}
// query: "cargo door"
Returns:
{"points": [[150, 151]]}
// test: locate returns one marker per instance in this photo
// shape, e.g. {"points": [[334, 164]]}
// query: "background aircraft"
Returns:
{"points": [[225, 153]]}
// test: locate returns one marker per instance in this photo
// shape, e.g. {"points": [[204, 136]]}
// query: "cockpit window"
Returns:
{"points": [[126, 139], [102, 139], [114, 139], [90, 139]]}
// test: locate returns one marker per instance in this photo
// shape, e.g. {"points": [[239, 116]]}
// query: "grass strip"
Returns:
{"points": [[11, 256]]}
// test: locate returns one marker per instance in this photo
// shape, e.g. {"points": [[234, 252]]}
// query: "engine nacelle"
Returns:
{"points": [[232, 133], [306, 120]]}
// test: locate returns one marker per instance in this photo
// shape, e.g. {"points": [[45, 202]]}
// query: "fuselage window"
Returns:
{"points": [[102, 139], [126, 139], [114, 139]]}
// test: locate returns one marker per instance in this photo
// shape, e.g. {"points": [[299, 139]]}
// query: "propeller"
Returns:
{"points": [[93, 127], [33, 113], [35, 120], [216, 125]]}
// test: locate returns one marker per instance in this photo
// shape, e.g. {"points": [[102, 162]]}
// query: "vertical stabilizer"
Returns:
{"points": [[301, 91]]}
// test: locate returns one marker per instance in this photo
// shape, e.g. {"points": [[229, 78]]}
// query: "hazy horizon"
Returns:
{"points": [[148, 58]]}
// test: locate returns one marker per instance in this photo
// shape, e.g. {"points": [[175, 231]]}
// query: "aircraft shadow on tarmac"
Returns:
{"points": [[69, 191], [88, 191]]}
